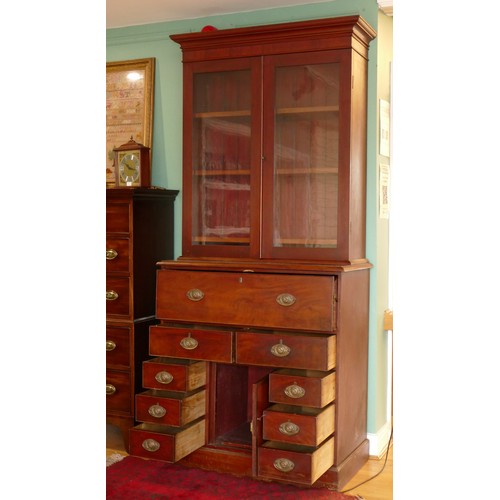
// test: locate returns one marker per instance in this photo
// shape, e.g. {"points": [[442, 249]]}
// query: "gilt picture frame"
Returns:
{"points": [[129, 106]]}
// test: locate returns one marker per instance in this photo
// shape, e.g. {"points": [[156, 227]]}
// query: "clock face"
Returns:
{"points": [[129, 167]]}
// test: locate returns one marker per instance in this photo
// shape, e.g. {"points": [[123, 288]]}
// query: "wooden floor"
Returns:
{"points": [[379, 488]]}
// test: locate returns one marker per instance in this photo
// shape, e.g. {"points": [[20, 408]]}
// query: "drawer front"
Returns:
{"points": [[296, 387], [300, 464], [311, 352], [187, 343], [117, 347], [118, 395], [166, 443], [117, 255], [118, 297], [170, 408], [117, 218], [298, 425], [247, 299], [174, 374]]}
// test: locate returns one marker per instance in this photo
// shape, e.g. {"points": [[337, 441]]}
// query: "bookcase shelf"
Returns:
{"points": [[223, 114], [307, 110], [307, 171], [215, 172]]}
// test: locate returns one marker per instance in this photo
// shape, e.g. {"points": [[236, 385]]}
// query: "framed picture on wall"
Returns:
{"points": [[129, 106]]}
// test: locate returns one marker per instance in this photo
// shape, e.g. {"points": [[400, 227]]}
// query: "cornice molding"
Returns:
{"points": [[385, 6], [136, 34]]}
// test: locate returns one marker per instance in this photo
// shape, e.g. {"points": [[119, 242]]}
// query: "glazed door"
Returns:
{"points": [[222, 132], [305, 129]]}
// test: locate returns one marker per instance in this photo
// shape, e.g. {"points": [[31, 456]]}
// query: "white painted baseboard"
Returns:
{"points": [[379, 441]]}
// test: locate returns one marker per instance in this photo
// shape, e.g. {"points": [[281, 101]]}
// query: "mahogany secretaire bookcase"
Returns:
{"points": [[260, 353]]}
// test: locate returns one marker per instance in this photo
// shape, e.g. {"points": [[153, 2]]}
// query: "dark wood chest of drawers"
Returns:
{"points": [[139, 233]]}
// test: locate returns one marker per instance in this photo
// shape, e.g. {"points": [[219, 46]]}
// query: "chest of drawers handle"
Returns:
{"points": [[280, 350], [151, 445], [111, 295], [195, 295], [285, 299], [111, 254], [110, 345], [295, 391], [189, 343], [110, 389], [283, 465], [157, 411], [164, 377], [289, 428]]}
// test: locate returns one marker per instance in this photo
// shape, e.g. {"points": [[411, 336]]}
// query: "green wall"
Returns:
{"points": [[153, 40], [377, 248]]}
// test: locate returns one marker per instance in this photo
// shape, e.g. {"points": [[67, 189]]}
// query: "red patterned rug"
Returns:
{"points": [[134, 478]]}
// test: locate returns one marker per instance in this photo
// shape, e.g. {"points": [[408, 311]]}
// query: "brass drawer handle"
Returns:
{"points": [[111, 254], [110, 345], [280, 350], [111, 295], [295, 391], [164, 377], [110, 389], [289, 428], [151, 445], [284, 464], [157, 411], [189, 343], [285, 299], [195, 295]]}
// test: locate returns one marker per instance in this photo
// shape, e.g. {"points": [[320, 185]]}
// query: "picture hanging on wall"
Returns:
{"points": [[129, 107]]}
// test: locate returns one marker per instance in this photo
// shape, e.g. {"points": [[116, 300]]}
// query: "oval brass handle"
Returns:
{"points": [[195, 295], [157, 411], [285, 299], [295, 391], [164, 377], [280, 350], [189, 343], [284, 464], [110, 345], [111, 254], [111, 295], [110, 389], [151, 445], [289, 428]]}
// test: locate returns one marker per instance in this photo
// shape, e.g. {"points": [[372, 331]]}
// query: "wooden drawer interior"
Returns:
{"points": [[170, 408], [300, 464], [298, 424], [302, 387], [171, 374], [169, 444]]}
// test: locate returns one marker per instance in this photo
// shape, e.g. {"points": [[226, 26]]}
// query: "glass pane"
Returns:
{"points": [[306, 156], [221, 158]]}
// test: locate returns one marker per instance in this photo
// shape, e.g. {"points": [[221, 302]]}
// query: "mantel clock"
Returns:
{"points": [[132, 165]]}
